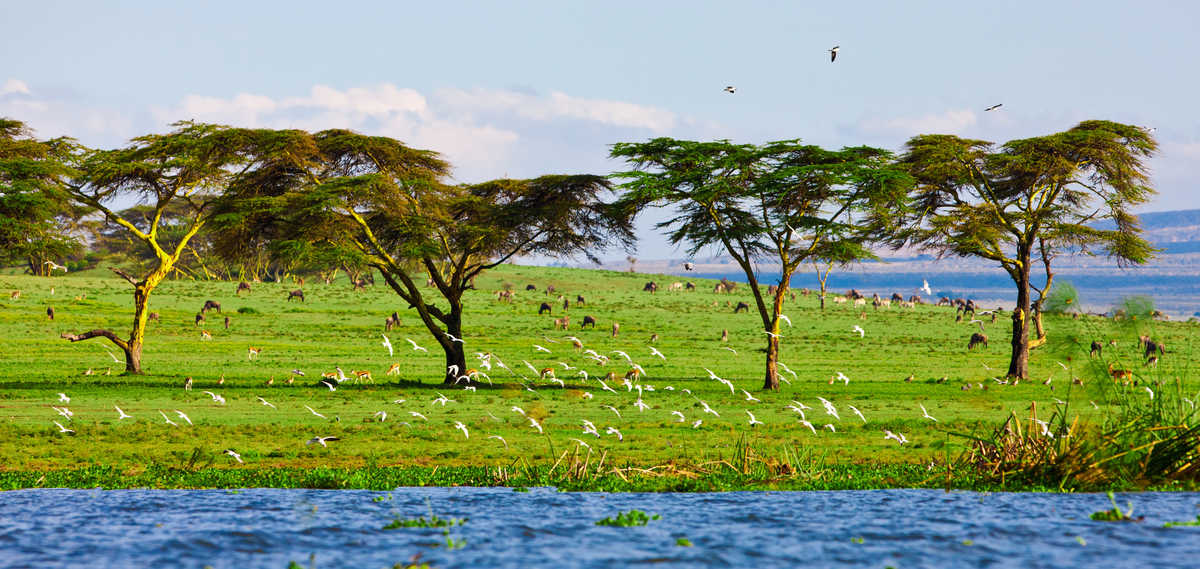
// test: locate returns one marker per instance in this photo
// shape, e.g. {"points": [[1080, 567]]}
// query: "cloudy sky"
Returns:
{"points": [[527, 88]]}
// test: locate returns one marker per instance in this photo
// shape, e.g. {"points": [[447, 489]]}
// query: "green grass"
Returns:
{"points": [[341, 327]]}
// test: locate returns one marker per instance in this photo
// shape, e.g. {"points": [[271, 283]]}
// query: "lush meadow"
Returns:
{"points": [[906, 359]]}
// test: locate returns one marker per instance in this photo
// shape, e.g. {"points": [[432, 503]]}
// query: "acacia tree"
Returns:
{"points": [[783, 201], [184, 171], [33, 204], [377, 199], [1027, 201]]}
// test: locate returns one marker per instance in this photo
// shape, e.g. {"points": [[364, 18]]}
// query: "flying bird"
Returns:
{"points": [[387, 343], [697, 424], [809, 425], [314, 412], [654, 351], [216, 398], [730, 349], [418, 415], [750, 397], [415, 346], [613, 409], [62, 398], [64, 412], [533, 423], [753, 421], [235, 455], [381, 415], [63, 429], [861, 333], [265, 402], [320, 440], [167, 419], [183, 416], [898, 438], [541, 348], [772, 334], [993, 107], [458, 425], [582, 444], [454, 339], [926, 413], [857, 412], [925, 287], [830, 409], [785, 318], [641, 405], [121, 414], [499, 438], [833, 53], [680, 415], [614, 431], [730, 89], [441, 399]]}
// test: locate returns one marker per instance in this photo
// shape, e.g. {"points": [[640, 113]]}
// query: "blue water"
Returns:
{"points": [[545, 528]]}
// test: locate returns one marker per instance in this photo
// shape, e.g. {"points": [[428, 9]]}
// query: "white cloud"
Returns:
{"points": [[14, 86], [558, 105]]}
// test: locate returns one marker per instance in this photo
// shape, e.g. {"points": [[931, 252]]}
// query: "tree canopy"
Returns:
{"points": [[34, 207], [782, 202], [1028, 200]]}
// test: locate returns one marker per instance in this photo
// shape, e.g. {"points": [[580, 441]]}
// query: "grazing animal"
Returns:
{"points": [[633, 374], [740, 307], [391, 322], [549, 290], [615, 328], [588, 320], [253, 352], [211, 305], [530, 287], [650, 287], [653, 338], [1097, 348], [1152, 361], [562, 323], [725, 335], [675, 287], [205, 335], [154, 316], [566, 303], [187, 383], [359, 284], [977, 339], [226, 322], [689, 286], [199, 318], [545, 308], [579, 300], [16, 294], [1153, 347], [896, 297], [296, 294], [1120, 374], [50, 312], [504, 295], [242, 286]]}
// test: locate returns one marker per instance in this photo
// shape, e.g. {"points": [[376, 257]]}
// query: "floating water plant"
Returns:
{"points": [[628, 519], [1182, 524], [683, 542], [1115, 514]]}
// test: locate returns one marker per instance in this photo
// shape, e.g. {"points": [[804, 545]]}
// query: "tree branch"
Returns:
{"points": [[99, 332], [124, 275]]}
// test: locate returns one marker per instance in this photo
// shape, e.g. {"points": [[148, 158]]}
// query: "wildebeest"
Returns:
{"points": [[944, 301], [853, 293], [650, 287], [391, 322], [50, 312], [545, 308], [242, 286], [549, 290], [725, 335], [226, 322], [296, 294], [896, 297], [1153, 347], [977, 339], [579, 300], [689, 286], [530, 287], [588, 320], [566, 303], [199, 318], [1097, 348], [211, 305], [740, 307], [504, 295]]}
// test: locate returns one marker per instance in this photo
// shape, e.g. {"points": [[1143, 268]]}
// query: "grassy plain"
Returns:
{"points": [[341, 327]]}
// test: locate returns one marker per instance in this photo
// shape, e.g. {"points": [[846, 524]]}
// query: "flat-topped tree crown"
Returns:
{"points": [[1028, 201], [784, 201]]}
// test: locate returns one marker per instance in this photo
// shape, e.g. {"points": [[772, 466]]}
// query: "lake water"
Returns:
{"points": [[544, 528]]}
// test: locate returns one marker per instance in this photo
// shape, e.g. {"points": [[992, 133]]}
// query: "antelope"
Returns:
{"points": [[1119, 374], [363, 375], [615, 328], [252, 352], [547, 371], [187, 383], [16, 294], [205, 335], [633, 374], [394, 369], [561, 323], [242, 286]]}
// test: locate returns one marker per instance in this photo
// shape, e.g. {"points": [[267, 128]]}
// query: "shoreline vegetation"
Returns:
{"points": [[1070, 427]]}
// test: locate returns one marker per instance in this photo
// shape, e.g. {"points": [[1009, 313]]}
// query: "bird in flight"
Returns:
{"points": [[541, 349], [898, 438], [613, 409], [614, 431], [216, 398], [63, 429], [314, 412], [183, 416], [730, 349], [731, 90], [62, 398], [265, 402], [387, 343], [499, 438], [925, 287], [418, 415], [535, 424], [993, 107], [415, 346], [320, 440], [857, 412], [122, 414], [753, 421], [833, 53], [460, 426], [453, 339], [680, 415], [167, 419], [654, 351], [234, 454], [784, 317], [750, 397], [861, 333], [926, 413]]}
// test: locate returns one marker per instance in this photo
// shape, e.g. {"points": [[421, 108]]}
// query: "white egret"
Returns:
{"points": [[926, 414], [460, 426], [314, 412], [387, 343], [320, 440], [121, 414], [753, 420], [614, 431]]}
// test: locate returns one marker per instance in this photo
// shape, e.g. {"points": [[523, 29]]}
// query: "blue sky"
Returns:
{"points": [[527, 88]]}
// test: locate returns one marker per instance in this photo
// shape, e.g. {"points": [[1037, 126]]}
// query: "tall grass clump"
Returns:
{"points": [[1149, 435]]}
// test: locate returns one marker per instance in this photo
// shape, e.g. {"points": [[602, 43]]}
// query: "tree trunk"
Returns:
{"points": [[141, 313], [1018, 366], [822, 300], [455, 351], [771, 381]]}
